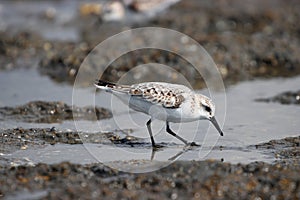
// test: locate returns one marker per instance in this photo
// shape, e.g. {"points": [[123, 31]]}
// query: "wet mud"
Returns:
{"points": [[52, 112], [289, 97], [180, 180], [19, 138], [246, 40], [183, 179], [243, 41], [285, 150]]}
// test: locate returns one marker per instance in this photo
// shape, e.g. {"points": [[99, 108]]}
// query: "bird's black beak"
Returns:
{"points": [[215, 123]]}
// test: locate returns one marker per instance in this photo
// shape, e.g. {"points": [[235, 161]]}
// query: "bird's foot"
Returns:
{"points": [[193, 144], [157, 147], [190, 146]]}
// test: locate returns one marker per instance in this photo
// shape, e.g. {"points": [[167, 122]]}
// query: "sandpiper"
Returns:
{"points": [[164, 101]]}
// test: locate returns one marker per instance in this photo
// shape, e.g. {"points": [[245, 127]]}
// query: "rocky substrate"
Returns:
{"points": [[246, 40], [19, 138], [180, 180], [286, 150], [289, 97], [52, 112]]}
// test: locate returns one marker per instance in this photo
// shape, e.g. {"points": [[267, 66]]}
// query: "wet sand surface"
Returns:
{"points": [[51, 148]]}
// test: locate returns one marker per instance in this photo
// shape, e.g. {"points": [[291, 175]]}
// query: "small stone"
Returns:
{"points": [[50, 13], [174, 196]]}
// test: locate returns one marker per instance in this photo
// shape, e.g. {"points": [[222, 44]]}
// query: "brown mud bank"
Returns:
{"points": [[180, 180], [246, 40], [207, 179], [52, 112], [290, 97], [286, 150], [19, 138]]}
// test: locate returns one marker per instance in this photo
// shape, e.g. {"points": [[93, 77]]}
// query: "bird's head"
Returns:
{"points": [[207, 111]]}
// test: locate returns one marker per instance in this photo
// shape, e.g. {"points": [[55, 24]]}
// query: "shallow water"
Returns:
{"points": [[247, 123]]}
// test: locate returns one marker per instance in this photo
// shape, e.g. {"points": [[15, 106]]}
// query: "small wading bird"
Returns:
{"points": [[164, 101]]}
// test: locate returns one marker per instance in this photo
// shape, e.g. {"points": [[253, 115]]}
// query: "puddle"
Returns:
{"points": [[28, 195], [248, 122]]}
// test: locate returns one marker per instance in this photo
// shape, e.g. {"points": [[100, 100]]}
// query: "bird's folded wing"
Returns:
{"points": [[164, 95]]}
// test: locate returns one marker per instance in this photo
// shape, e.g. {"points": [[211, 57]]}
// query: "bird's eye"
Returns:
{"points": [[207, 108]]}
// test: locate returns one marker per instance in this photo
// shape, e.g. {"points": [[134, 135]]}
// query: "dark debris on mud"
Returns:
{"points": [[282, 143], [284, 98], [52, 112], [286, 150], [19, 138], [260, 39], [244, 42], [180, 180]]}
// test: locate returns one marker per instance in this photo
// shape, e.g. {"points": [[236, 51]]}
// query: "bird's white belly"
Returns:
{"points": [[176, 115]]}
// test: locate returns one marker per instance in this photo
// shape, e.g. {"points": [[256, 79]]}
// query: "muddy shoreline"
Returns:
{"points": [[248, 41], [183, 180], [208, 179], [269, 44]]}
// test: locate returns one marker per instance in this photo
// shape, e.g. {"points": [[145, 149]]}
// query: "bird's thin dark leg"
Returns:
{"points": [[153, 153], [174, 134], [150, 132]]}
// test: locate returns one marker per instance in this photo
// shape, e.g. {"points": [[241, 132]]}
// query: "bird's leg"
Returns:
{"points": [[155, 146], [178, 137], [174, 134], [150, 132]]}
